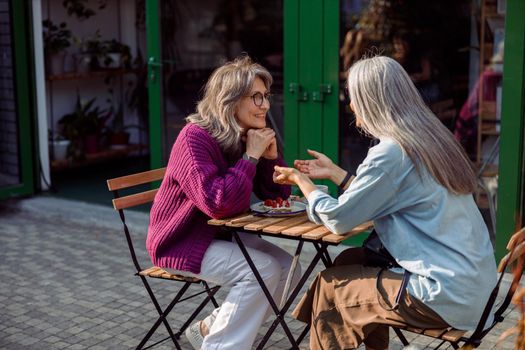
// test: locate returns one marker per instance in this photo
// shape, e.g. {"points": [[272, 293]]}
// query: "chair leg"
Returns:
{"points": [[211, 292], [401, 336], [162, 314]]}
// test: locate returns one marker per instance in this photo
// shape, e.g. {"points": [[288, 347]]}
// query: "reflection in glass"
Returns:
{"points": [[200, 35], [428, 38], [453, 51]]}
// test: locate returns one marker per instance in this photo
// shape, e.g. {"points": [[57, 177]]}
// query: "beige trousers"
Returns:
{"points": [[347, 306]]}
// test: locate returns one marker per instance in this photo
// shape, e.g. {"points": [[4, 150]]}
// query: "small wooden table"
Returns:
{"points": [[297, 228]]}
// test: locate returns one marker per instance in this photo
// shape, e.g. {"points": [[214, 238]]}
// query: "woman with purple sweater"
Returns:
{"points": [[223, 154]]}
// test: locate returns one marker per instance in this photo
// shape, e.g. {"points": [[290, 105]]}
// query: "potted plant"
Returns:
{"points": [[58, 146], [82, 127], [57, 38], [104, 53], [116, 55]]}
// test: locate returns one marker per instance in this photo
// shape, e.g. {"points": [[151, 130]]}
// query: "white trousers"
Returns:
{"points": [[234, 325]]}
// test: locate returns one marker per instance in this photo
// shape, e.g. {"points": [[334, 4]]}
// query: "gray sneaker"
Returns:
{"points": [[194, 336]]}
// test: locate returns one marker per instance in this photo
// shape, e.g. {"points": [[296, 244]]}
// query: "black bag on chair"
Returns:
{"points": [[376, 253]]}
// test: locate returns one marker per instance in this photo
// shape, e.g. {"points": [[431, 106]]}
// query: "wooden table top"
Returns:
{"points": [[297, 226]]}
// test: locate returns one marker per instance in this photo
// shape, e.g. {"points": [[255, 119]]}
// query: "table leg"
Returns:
{"points": [[320, 252], [327, 261], [268, 295], [291, 273]]}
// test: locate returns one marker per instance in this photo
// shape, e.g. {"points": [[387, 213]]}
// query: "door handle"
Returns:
{"points": [[324, 89], [153, 64], [296, 88]]}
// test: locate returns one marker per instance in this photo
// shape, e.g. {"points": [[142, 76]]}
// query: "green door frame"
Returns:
{"points": [[24, 92], [511, 162], [153, 43]]}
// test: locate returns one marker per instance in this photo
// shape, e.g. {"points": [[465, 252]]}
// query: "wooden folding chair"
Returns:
{"points": [[470, 340], [120, 203]]}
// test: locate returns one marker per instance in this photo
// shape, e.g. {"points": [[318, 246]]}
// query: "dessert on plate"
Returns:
{"points": [[277, 205]]}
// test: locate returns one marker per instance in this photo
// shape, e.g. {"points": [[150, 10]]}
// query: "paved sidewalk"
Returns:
{"points": [[67, 281]]}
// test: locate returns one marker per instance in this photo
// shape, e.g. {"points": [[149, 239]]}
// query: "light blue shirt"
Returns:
{"points": [[439, 237]]}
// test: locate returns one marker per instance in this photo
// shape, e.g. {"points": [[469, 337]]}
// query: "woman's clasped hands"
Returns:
{"points": [[261, 143]]}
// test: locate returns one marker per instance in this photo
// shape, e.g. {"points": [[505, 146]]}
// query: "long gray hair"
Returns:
{"points": [[224, 89], [385, 99]]}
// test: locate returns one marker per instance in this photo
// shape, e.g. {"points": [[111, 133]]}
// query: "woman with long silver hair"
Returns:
{"points": [[416, 185], [225, 152]]}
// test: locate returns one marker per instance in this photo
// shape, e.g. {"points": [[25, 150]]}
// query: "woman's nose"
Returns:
{"points": [[266, 103]]}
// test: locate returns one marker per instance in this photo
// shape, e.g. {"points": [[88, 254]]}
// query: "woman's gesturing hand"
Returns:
{"points": [[258, 142], [319, 168]]}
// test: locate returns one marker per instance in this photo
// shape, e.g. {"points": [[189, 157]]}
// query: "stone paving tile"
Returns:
{"points": [[68, 283]]}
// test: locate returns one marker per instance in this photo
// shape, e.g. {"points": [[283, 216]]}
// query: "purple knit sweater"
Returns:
{"points": [[199, 185]]}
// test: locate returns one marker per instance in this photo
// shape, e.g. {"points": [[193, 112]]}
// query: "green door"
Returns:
{"points": [[311, 40], [154, 82], [16, 156]]}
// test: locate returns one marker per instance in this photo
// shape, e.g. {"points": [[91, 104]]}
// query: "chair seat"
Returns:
{"points": [[157, 272], [448, 334]]}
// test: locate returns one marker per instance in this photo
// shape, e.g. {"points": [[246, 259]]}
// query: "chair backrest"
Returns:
{"points": [[135, 199], [516, 254], [516, 248]]}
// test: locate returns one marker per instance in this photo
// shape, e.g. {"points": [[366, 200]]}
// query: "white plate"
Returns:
{"points": [[295, 208]]}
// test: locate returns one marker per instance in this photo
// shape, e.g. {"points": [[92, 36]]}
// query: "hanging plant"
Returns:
{"points": [[79, 8]]}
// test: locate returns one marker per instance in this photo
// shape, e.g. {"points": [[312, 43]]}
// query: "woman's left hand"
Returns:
{"points": [[292, 176], [271, 150]]}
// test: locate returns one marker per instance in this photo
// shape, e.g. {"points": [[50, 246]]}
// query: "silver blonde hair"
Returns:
{"points": [[388, 104], [222, 93]]}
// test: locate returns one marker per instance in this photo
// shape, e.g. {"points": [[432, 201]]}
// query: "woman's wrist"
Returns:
{"points": [[338, 175], [346, 181], [305, 184]]}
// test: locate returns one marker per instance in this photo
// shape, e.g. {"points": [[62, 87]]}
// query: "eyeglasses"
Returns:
{"points": [[258, 98]]}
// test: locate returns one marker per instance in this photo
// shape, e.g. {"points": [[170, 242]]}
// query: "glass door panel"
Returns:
{"points": [[197, 36]]}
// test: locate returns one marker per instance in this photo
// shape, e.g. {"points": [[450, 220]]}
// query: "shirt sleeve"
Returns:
{"points": [[370, 195]]}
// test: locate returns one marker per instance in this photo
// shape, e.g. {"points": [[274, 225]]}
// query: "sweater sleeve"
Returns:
{"points": [[216, 193], [263, 185]]}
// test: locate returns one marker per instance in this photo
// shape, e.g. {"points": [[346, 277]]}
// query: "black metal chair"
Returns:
{"points": [[120, 203], [469, 340]]}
